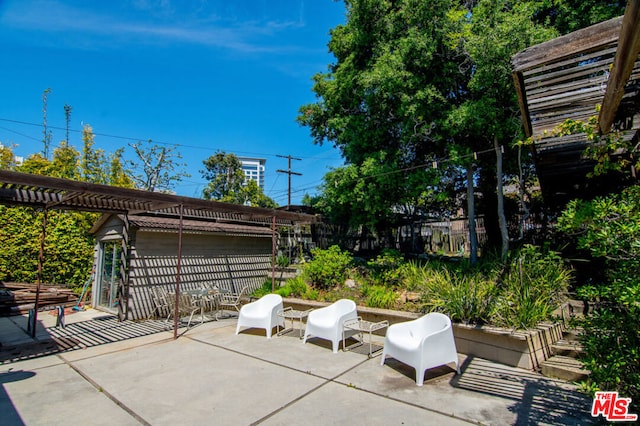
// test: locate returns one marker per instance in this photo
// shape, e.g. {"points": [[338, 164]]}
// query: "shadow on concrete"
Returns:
{"points": [[10, 415], [536, 400], [83, 334]]}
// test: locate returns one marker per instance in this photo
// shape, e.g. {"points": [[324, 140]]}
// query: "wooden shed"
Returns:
{"points": [[227, 255], [591, 72]]}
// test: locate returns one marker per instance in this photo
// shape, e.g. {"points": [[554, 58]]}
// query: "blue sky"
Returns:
{"points": [[204, 75]]}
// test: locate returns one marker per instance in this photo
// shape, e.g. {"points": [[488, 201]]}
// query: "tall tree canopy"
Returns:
{"points": [[382, 102], [227, 182], [69, 246], [224, 173], [155, 168], [419, 81]]}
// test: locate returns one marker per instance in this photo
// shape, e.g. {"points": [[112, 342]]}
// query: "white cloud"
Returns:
{"points": [[157, 22]]}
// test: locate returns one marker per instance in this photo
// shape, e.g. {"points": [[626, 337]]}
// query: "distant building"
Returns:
{"points": [[253, 169]]}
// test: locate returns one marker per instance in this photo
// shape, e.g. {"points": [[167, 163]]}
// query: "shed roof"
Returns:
{"points": [[64, 194], [569, 77], [192, 226]]}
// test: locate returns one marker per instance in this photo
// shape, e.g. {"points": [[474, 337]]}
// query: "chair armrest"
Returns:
{"points": [[436, 336], [346, 317]]}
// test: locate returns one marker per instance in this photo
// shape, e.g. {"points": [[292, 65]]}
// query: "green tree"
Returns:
{"points": [[571, 15], [486, 115], [225, 176], [421, 81], [46, 134], [383, 102], [36, 164], [608, 228], [92, 161], [346, 197], [118, 175], [65, 162], [7, 157], [156, 168], [250, 195]]}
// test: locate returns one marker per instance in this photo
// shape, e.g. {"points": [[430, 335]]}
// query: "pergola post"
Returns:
{"points": [[34, 320], [273, 254], [123, 284], [176, 316], [623, 64]]}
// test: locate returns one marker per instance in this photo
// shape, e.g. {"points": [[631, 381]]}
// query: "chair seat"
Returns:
{"points": [[405, 341], [249, 311], [324, 322]]}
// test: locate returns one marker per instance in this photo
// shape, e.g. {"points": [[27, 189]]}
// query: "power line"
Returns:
{"points": [[130, 138], [21, 134], [433, 164]]}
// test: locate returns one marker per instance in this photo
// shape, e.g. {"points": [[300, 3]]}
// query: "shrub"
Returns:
{"points": [[328, 268], [283, 261], [69, 248], [463, 295], [609, 228], [377, 296], [387, 269], [294, 287], [264, 289], [533, 286]]}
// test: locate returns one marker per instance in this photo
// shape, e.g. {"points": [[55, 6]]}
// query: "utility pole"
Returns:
{"points": [[289, 172], [46, 139], [67, 116]]}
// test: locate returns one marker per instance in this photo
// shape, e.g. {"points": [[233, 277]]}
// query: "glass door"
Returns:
{"points": [[109, 274]]}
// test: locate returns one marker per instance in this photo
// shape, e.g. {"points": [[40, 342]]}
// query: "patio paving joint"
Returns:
{"points": [[106, 393], [118, 358]]}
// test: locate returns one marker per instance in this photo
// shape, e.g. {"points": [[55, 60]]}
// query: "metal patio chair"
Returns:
{"points": [[187, 306], [160, 304], [232, 300]]}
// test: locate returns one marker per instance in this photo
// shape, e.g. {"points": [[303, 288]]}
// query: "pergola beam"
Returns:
{"points": [[46, 193], [41, 191], [623, 64]]}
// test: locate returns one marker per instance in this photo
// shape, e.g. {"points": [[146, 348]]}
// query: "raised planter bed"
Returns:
{"points": [[517, 348]]}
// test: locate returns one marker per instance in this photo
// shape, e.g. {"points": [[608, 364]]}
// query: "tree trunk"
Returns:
{"points": [[501, 218], [524, 210], [471, 208]]}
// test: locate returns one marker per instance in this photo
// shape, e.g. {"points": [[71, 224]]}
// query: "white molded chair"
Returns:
{"points": [[261, 314], [328, 322], [423, 343]]}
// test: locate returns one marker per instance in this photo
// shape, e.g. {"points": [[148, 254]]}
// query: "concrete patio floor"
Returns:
{"points": [[136, 373]]}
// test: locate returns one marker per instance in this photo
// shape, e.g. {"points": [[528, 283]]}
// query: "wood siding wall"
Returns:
{"points": [[228, 262]]}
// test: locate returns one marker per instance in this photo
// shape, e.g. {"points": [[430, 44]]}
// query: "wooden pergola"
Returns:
{"points": [[568, 78], [48, 193]]}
